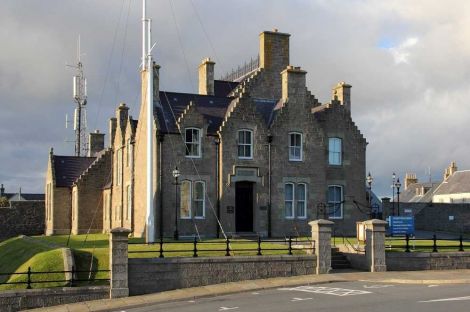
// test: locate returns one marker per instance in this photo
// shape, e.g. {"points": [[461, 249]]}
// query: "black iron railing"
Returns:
{"points": [[431, 244], [228, 247], [242, 70], [74, 280]]}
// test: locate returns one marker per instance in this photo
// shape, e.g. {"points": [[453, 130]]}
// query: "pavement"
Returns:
{"points": [[408, 277]]}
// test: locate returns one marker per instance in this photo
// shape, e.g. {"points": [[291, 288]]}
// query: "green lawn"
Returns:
{"points": [[19, 253]]}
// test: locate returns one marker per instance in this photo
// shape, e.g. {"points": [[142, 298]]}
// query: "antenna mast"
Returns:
{"points": [[80, 97], [147, 67]]}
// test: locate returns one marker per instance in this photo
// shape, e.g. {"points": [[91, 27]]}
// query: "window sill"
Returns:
{"points": [[193, 157], [296, 160], [245, 158], [199, 218], [289, 218], [335, 218]]}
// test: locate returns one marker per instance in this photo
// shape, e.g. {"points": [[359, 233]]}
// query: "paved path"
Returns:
{"points": [[410, 278]]}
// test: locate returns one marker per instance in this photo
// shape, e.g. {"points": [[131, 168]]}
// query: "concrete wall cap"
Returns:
{"points": [[375, 222], [120, 230], [321, 222]]}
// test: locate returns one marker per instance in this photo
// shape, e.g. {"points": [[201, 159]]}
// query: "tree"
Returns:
{"points": [[4, 202]]}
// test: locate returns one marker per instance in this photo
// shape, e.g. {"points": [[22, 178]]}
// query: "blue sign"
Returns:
{"points": [[400, 226]]}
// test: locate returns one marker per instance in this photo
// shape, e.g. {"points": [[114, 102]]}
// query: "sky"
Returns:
{"points": [[408, 63]]}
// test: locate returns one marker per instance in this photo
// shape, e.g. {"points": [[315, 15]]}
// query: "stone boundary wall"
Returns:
{"points": [[22, 218], [416, 261], [155, 275], [435, 216], [15, 300]]}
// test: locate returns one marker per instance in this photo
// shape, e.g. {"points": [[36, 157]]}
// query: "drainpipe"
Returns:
{"points": [[217, 183], [270, 140], [160, 180]]}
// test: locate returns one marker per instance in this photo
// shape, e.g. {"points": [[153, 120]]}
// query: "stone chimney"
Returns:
{"points": [[122, 113], [273, 50], [293, 81], [2, 191], [112, 130], [450, 170], [342, 93], [206, 77], [96, 141], [410, 178]]}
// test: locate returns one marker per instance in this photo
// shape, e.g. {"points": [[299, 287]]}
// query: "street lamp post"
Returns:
{"points": [[176, 174], [398, 185], [393, 193], [369, 180]]}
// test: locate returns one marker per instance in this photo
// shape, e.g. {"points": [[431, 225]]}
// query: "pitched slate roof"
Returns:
{"points": [[173, 104], [68, 168], [266, 108], [24, 196], [457, 183], [223, 88], [410, 195]]}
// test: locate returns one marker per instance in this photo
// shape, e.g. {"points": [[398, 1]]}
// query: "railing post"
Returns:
{"points": [[290, 245], [434, 245], [227, 248], [461, 243], [118, 263], [259, 246], [161, 247], [71, 276], [407, 247], [29, 278], [195, 247]]}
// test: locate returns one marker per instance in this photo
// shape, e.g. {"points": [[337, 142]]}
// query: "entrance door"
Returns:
{"points": [[244, 206]]}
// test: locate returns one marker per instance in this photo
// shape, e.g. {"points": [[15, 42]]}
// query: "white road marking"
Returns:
{"points": [[448, 299], [328, 290], [300, 299], [433, 285], [191, 301], [255, 293], [227, 308], [378, 286]]}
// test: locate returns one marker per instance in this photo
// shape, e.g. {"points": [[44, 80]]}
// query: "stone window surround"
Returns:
{"points": [[192, 184], [198, 143], [251, 144], [295, 201], [291, 157], [341, 202]]}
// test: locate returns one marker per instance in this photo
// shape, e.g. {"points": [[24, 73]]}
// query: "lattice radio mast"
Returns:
{"points": [[80, 97]]}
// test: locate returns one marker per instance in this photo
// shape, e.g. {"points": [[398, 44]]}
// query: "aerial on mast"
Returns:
{"points": [[80, 97]]}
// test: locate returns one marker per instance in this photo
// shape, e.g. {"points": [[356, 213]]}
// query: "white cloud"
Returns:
{"points": [[401, 53]]}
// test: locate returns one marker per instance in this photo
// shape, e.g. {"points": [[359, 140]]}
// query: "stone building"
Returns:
{"points": [[257, 154], [454, 188]]}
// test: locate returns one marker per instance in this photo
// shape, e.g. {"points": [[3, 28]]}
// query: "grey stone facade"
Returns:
{"points": [[250, 194]]}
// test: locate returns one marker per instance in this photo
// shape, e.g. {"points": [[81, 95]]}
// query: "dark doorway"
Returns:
{"points": [[244, 206]]}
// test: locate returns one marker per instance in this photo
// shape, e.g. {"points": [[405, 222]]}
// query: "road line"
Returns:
{"points": [[378, 286], [300, 299], [448, 299], [227, 308]]}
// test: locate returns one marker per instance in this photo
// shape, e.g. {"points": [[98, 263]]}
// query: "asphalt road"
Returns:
{"points": [[344, 296]]}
